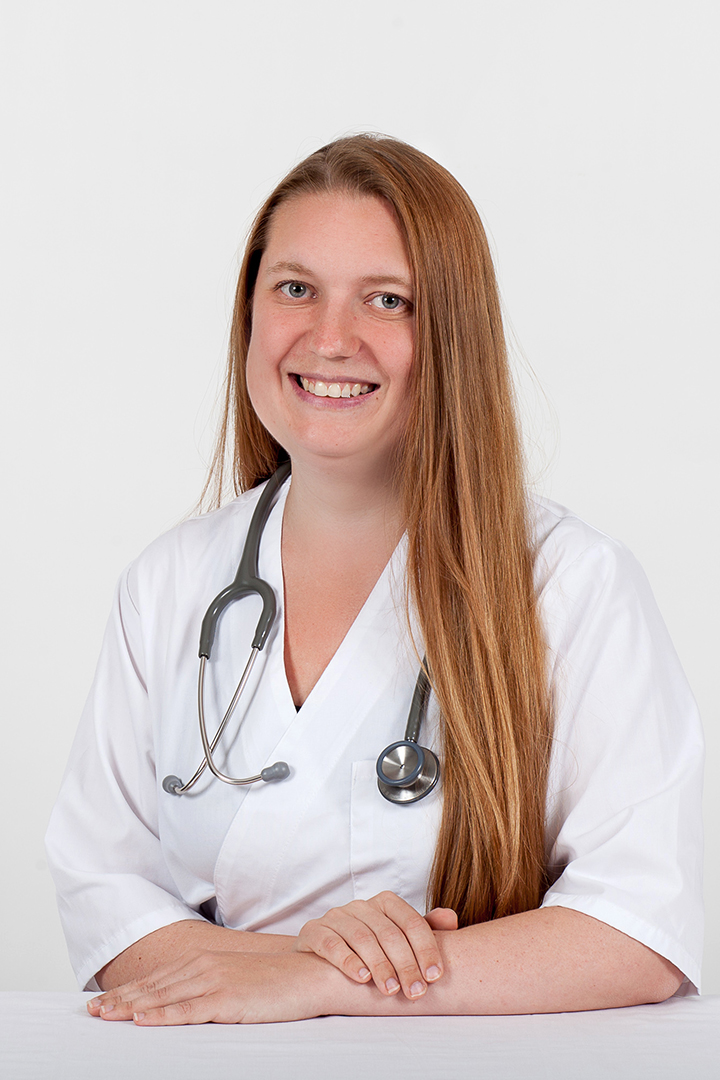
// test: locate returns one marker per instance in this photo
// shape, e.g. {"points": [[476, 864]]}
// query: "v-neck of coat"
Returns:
{"points": [[381, 594]]}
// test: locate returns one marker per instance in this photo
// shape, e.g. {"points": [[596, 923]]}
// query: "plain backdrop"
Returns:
{"points": [[138, 138]]}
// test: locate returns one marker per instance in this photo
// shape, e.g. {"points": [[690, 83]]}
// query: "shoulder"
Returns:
{"points": [[568, 549], [589, 582]]}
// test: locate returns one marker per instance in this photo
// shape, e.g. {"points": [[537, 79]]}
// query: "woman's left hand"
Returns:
{"points": [[383, 939], [220, 987]]}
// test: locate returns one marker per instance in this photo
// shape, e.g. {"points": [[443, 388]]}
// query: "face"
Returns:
{"points": [[331, 350]]}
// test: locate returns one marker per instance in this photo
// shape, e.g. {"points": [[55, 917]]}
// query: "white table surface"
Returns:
{"points": [[50, 1036]]}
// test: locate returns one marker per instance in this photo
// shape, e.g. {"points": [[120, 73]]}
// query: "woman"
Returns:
{"points": [[560, 852]]}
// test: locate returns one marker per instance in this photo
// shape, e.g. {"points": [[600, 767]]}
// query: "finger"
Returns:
{"points": [[107, 1001], [332, 947], [382, 944], [442, 919], [199, 1010], [151, 1001], [349, 945], [426, 963], [123, 1001], [399, 952]]}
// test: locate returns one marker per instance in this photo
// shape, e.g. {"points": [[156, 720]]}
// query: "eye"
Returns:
{"points": [[389, 302], [294, 290]]}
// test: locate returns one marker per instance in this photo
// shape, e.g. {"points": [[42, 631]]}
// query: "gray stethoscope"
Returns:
{"points": [[406, 771]]}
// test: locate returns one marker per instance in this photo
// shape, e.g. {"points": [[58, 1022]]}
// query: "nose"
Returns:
{"points": [[334, 334]]}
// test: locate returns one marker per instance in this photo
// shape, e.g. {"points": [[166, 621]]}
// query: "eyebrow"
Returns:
{"points": [[287, 267], [368, 279]]}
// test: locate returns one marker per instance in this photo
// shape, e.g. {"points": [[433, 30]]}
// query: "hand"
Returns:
{"points": [[219, 987], [383, 939]]}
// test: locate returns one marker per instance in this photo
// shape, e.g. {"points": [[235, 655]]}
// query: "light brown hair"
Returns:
{"points": [[470, 560]]}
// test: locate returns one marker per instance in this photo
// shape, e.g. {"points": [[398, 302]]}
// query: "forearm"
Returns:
{"points": [[177, 939], [549, 960]]}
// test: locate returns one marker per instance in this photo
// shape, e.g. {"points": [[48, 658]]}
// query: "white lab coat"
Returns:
{"points": [[623, 816]]}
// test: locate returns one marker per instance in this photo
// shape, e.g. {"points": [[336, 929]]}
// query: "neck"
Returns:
{"points": [[344, 503]]}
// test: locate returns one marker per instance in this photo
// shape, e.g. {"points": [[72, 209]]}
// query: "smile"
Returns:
{"points": [[318, 388]]}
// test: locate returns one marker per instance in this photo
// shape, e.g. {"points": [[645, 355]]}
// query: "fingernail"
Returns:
{"points": [[432, 973], [94, 1002], [104, 1009], [417, 989], [138, 1016], [363, 973], [392, 985]]}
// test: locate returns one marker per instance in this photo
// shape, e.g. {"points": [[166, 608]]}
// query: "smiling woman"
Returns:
{"points": [[409, 578]]}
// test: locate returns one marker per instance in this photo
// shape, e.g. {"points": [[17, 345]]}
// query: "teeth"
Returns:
{"points": [[334, 390]]}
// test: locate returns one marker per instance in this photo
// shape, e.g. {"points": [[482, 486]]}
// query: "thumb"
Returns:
{"points": [[442, 918]]}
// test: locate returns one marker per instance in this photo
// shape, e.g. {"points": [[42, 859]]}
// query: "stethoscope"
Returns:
{"points": [[405, 770]]}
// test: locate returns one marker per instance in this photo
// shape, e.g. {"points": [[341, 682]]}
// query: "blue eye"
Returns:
{"points": [[295, 290], [388, 301]]}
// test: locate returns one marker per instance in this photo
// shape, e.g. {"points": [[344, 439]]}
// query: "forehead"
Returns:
{"points": [[336, 227]]}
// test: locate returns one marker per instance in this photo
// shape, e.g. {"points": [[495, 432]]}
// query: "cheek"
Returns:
{"points": [[404, 362], [264, 353], [264, 378], [258, 379], [271, 339]]}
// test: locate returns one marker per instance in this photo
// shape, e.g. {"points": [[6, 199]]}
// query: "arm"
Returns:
{"points": [[548, 960], [180, 939], [532, 960]]}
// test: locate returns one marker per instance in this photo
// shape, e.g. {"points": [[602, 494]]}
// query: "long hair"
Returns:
{"points": [[470, 547]]}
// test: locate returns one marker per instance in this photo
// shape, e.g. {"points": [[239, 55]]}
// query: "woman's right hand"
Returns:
{"points": [[383, 939]]}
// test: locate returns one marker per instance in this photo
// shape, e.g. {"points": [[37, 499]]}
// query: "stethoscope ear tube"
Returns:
{"points": [[246, 580]]}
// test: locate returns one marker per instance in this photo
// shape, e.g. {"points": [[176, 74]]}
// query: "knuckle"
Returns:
{"points": [[384, 897], [393, 936], [356, 907], [307, 935], [406, 972], [415, 921], [332, 944], [363, 937]]}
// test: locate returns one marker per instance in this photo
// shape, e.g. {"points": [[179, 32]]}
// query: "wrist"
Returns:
{"points": [[326, 987]]}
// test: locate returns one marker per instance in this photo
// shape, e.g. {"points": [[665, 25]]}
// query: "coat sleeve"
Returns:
{"points": [[624, 802], [103, 841]]}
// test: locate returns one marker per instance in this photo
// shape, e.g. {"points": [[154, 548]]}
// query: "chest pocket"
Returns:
{"points": [[391, 845]]}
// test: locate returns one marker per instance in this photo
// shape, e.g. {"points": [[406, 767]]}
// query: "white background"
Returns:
{"points": [[137, 140]]}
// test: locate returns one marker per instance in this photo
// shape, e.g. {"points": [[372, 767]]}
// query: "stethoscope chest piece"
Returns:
{"points": [[406, 772]]}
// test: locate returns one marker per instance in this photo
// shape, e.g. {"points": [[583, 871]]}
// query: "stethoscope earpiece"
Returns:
{"points": [[406, 772]]}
